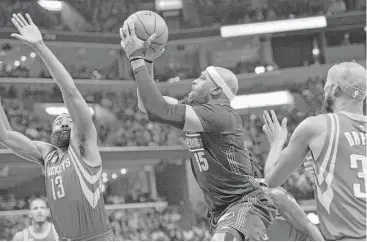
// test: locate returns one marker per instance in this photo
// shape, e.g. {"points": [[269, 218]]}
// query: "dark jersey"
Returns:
{"points": [[222, 165], [74, 192]]}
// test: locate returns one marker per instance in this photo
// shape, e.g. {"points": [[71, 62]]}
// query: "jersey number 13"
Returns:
{"points": [[57, 187]]}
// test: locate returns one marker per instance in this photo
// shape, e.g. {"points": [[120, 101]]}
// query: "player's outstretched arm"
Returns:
{"points": [[290, 210], [169, 100], [3, 118], [158, 110], [280, 164], [20, 144], [75, 103]]}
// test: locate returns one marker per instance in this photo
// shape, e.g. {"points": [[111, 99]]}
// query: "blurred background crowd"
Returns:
{"points": [[30, 100]]}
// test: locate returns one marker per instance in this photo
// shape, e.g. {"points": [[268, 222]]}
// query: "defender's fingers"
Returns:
{"points": [[29, 18], [20, 23], [23, 19], [16, 24]]}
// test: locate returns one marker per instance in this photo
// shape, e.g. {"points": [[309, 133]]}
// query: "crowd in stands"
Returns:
{"points": [[143, 224], [107, 16]]}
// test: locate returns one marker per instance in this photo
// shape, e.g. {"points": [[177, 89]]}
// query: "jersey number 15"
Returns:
{"points": [[201, 161]]}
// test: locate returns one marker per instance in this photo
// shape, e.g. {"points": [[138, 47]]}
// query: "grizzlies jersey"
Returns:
{"points": [[341, 173], [74, 192], [222, 165]]}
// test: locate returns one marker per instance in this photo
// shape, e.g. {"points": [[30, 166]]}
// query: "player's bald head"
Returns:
{"points": [[229, 78]]}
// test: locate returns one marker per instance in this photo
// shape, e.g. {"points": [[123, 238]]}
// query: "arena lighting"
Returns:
{"points": [[114, 176], [123, 171], [51, 5], [273, 26], [164, 5], [262, 100], [59, 110]]}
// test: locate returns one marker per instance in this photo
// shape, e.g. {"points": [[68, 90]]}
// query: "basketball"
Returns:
{"points": [[147, 23]]}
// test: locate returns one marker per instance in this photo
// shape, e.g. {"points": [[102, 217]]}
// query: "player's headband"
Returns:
{"points": [[351, 91], [220, 82], [347, 87]]}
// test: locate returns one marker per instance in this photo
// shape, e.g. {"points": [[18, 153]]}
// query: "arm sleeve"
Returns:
{"points": [[214, 117]]}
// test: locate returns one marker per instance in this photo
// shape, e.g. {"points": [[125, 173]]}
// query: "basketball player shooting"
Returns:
{"points": [[40, 229], [71, 163], [222, 165], [337, 142]]}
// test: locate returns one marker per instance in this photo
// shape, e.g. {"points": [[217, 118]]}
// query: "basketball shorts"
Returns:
{"points": [[282, 230], [251, 217]]}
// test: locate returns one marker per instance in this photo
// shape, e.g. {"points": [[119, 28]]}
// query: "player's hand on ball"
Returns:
{"points": [[133, 46], [276, 133], [28, 31]]}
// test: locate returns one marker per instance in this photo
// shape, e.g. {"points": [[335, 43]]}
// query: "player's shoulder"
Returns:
{"points": [[19, 236], [216, 105], [314, 124], [44, 148]]}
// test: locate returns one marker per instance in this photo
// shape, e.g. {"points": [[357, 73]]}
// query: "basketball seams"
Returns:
{"points": [[142, 24]]}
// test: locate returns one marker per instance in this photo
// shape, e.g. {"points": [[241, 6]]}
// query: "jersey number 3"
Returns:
{"points": [[57, 187], [201, 161], [357, 189]]}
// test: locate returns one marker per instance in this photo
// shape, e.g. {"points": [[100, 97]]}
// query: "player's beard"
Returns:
{"points": [[197, 97], [328, 104], [60, 139]]}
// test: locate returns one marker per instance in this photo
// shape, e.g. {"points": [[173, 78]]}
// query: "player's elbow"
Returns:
{"points": [[5, 136]]}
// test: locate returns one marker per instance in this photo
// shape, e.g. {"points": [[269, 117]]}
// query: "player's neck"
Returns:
{"points": [[39, 227], [349, 107]]}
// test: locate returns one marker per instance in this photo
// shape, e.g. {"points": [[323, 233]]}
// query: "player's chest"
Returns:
{"points": [[194, 141], [59, 166]]}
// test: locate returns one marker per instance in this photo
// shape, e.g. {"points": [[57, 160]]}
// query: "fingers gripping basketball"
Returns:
{"points": [[146, 24]]}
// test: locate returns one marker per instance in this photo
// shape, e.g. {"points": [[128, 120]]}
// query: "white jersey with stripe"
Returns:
{"points": [[74, 192], [341, 173], [49, 235]]}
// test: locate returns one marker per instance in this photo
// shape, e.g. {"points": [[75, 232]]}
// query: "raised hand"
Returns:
{"points": [[28, 31], [133, 46], [277, 134]]}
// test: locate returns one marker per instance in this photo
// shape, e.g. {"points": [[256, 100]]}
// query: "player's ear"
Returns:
{"points": [[336, 91], [47, 212], [216, 91]]}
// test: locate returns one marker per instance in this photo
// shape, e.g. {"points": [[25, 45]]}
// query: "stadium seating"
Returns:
{"points": [[109, 15]]}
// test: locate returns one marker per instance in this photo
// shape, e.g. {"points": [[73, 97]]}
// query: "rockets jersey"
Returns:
{"points": [[341, 173], [51, 235], [74, 192], [221, 164]]}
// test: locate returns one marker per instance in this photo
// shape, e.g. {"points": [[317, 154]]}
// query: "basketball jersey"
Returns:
{"points": [[74, 192], [220, 161], [51, 235], [341, 173]]}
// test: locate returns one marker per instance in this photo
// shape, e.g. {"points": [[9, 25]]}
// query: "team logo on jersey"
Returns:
{"points": [[226, 216]]}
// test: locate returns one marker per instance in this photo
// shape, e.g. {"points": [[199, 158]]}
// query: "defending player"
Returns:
{"points": [[337, 141], [40, 229], [72, 163]]}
